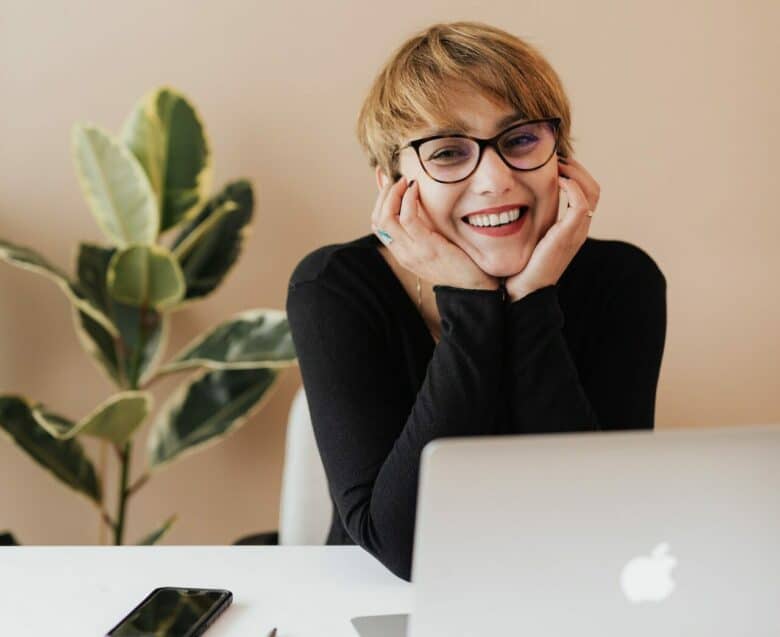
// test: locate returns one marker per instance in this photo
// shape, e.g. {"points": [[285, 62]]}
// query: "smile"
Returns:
{"points": [[495, 219], [497, 224]]}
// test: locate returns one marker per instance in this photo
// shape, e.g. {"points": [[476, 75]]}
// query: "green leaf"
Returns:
{"points": [[166, 135], [115, 186], [145, 275], [64, 458], [157, 535], [206, 410], [255, 338], [99, 344], [28, 259], [116, 419], [210, 244], [141, 345]]}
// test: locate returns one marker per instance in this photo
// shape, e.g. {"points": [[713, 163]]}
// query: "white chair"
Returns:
{"points": [[305, 508]]}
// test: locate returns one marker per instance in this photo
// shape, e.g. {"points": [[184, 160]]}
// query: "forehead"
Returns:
{"points": [[468, 111]]}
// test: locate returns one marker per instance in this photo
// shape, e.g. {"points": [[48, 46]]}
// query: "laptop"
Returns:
{"points": [[605, 533]]}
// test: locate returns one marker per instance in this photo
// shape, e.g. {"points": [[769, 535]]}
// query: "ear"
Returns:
{"points": [[381, 178]]}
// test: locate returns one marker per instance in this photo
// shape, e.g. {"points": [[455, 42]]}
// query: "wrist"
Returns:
{"points": [[487, 283], [483, 283], [515, 293]]}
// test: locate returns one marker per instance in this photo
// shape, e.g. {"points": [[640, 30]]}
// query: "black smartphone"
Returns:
{"points": [[173, 612]]}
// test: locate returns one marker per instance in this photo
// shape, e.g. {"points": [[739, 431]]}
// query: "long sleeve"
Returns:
{"points": [[369, 437], [615, 384]]}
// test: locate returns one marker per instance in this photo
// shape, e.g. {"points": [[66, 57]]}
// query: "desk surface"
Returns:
{"points": [[305, 591]]}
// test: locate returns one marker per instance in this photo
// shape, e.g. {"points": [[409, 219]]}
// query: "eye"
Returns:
{"points": [[520, 140], [448, 153]]}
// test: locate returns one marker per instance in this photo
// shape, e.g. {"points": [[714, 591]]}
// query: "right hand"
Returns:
{"points": [[417, 246]]}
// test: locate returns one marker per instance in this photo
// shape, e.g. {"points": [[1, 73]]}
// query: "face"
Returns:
{"points": [[492, 184]]}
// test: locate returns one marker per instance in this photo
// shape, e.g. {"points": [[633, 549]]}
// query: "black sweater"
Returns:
{"points": [[379, 387]]}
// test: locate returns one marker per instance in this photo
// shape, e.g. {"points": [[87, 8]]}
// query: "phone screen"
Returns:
{"points": [[173, 612]]}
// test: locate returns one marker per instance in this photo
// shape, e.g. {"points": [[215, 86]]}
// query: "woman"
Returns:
{"points": [[470, 309]]}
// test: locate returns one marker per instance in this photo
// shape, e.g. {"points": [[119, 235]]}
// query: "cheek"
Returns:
{"points": [[547, 211], [438, 206]]}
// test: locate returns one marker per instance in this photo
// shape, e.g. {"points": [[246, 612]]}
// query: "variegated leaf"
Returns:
{"points": [[28, 259], [116, 419], [64, 458], [255, 338], [206, 409], [209, 245], [165, 133], [145, 276], [116, 187]]}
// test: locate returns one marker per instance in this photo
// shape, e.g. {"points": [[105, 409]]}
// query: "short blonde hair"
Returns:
{"points": [[408, 92]]}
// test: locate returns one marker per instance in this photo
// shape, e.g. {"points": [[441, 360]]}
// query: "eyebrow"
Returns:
{"points": [[462, 128]]}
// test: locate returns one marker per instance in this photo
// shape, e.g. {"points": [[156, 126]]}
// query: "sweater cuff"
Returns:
{"points": [[475, 314], [538, 309]]}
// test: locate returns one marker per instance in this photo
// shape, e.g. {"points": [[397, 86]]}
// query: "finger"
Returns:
{"points": [[388, 220], [393, 236], [574, 170], [423, 217], [417, 213], [578, 209], [410, 214], [391, 205], [382, 197]]}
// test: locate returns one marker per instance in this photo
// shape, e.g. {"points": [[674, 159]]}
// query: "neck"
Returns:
{"points": [[408, 279], [428, 309]]}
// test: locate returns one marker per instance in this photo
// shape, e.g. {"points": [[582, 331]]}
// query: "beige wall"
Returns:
{"points": [[674, 107]]}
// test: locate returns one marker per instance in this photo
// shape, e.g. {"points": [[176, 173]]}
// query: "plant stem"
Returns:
{"points": [[107, 521], [123, 492], [138, 484], [102, 475]]}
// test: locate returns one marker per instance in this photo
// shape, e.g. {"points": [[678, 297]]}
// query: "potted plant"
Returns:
{"points": [[168, 245]]}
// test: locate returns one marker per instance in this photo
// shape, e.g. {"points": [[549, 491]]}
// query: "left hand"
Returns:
{"points": [[557, 248]]}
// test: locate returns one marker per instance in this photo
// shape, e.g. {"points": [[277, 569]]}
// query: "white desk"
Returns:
{"points": [[306, 591]]}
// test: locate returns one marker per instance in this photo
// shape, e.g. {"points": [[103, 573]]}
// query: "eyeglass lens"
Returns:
{"points": [[526, 147]]}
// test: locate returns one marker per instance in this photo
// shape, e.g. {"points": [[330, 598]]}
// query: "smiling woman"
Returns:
{"points": [[471, 308]]}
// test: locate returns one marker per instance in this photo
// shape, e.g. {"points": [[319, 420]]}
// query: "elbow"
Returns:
{"points": [[392, 545], [399, 563]]}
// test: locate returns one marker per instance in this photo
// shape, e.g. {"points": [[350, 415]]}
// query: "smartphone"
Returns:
{"points": [[173, 612]]}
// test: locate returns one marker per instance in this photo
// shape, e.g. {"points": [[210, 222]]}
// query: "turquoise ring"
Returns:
{"points": [[384, 237]]}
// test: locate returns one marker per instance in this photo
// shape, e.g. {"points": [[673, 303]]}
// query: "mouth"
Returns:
{"points": [[495, 219]]}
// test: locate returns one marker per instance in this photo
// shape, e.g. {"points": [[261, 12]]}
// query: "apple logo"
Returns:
{"points": [[649, 579]]}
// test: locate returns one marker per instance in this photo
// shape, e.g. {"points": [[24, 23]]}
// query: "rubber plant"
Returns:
{"points": [[169, 244]]}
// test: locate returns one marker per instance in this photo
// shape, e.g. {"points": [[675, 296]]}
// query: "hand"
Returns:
{"points": [[557, 248], [415, 244]]}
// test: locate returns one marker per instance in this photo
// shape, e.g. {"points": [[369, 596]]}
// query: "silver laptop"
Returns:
{"points": [[608, 533]]}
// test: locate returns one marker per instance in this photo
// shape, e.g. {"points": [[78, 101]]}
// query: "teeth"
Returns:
{"points": [[494, 219]]}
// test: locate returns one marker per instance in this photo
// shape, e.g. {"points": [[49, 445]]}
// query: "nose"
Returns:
{"points": [[492, 176]]}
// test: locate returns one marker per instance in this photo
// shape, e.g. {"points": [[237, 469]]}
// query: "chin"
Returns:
{"points": [[503, 267]]}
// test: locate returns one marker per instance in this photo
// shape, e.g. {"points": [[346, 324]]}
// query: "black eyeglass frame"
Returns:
{"points": [[484, 143]]}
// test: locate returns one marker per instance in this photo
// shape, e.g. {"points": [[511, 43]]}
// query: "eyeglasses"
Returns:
{"points": [[525, 146]]}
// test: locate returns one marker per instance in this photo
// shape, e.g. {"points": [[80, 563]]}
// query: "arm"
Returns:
{"points": [[369, 437], [615, 386]]}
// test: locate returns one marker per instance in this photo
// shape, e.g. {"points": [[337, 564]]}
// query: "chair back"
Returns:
{"points": [[305, 509]]}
